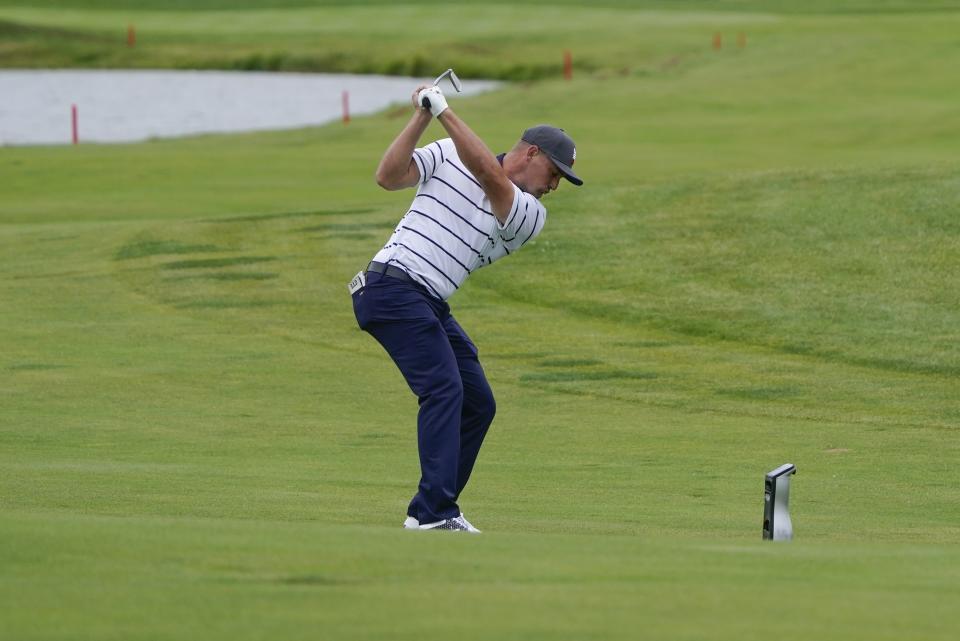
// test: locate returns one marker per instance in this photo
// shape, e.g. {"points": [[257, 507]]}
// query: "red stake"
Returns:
{"points": [[741, 40], [567, 65], [73, 118], [346, 107], [131, 36], [717, 41]]}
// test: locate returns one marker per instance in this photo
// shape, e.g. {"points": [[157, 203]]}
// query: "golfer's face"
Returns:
{"points": [[544, 176]]}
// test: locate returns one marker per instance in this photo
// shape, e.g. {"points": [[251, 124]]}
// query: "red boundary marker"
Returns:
{"points": [[73, 121]]}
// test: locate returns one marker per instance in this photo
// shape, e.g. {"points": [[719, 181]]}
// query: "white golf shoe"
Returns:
{"points": [[457, 524], [470, 528]]}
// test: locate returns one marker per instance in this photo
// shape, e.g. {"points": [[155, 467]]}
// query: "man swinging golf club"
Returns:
{"points": [[471, 208]]}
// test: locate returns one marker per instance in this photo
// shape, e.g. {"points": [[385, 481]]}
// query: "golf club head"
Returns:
{"points": [[454, 80]]}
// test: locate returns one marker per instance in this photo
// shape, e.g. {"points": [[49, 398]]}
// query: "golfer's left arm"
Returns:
{"points": [[397, 169], [482, 164]]}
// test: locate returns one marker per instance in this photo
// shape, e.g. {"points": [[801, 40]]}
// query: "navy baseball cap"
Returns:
{"points": [[558, 146]]}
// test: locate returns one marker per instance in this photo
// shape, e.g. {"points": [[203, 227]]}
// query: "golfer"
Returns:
{"points": [[471, 208]]}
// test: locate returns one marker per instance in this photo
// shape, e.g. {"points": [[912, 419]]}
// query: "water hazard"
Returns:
{"points": [[129, 106]]}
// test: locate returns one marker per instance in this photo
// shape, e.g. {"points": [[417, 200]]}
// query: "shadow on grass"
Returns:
{"points": [[759, 393], [220, 303], [291, 214], [575, 377], [34, 367], [569, 362], [228, 276], [142, 249], [213, 263], [334, 228]]}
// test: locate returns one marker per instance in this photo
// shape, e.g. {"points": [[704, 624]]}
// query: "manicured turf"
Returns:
{"points": [[197, 442]]}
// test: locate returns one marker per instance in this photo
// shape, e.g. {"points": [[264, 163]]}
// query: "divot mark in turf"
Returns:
{"points": [[213, 263], [144, 248]]}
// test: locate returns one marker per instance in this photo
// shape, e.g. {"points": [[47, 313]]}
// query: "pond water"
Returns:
{"points": [[128, 106]]}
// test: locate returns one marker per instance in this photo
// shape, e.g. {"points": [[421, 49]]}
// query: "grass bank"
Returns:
{"points": [[515, 41]]}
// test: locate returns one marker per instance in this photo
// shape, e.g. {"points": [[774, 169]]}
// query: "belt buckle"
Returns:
{"points": [[359, 282]]}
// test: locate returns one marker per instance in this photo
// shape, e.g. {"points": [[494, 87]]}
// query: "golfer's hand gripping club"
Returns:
{"points": [[433, 99], [427, 98]]}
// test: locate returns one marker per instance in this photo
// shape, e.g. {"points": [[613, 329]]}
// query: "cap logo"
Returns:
{"points": [[574, 153]]}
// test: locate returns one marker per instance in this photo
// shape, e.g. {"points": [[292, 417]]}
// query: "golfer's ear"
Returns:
{"points": [[532, 151]]}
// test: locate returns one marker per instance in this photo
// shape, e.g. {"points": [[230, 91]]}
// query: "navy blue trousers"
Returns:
{"points": [[440, 364]]}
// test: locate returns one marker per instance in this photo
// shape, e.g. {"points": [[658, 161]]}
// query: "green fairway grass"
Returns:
{"points": [[196, 441]]}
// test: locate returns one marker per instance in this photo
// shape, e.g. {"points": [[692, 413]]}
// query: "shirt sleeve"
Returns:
{"points": [[430, 157], [527, 217]]}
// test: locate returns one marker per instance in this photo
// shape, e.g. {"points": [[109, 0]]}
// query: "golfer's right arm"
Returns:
{"points": [[397, 168], [482, 164]]}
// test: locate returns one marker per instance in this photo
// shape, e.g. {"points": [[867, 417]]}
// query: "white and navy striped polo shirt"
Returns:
{"points": [[450, 230]]}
